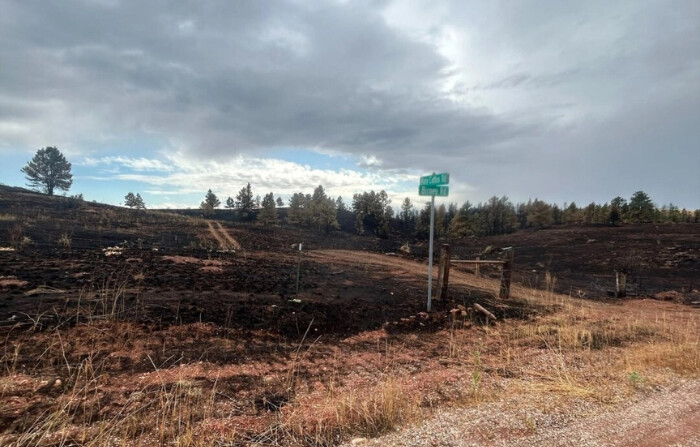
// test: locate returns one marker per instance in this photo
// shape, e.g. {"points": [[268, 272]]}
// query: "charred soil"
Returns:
{"points": [[149, 328]]}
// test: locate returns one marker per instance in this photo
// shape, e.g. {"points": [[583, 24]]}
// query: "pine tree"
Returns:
{"points": [[407, 215], [140, 204], [297, 205], [48, 170], [245, 201], [269, 211], [322, 211], [134, 201], [641, 208], [210, 202], [130, 200]]}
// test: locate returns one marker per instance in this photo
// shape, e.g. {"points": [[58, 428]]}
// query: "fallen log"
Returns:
{"points": [[479, 308]]}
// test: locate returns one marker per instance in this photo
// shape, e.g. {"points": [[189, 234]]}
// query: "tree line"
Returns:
{"points": [[311, 210], [498, 215], [373, 214]]}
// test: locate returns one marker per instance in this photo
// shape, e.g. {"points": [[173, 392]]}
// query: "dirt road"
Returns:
{"points": [[666, 418], [225, 240], [401, 268]]}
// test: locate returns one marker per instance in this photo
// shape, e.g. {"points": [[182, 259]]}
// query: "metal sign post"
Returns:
{"points": [[298, 268], [433, 185], [430, 253]]}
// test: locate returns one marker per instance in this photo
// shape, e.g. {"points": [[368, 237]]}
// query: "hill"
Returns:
{"points": [[153, 328]]}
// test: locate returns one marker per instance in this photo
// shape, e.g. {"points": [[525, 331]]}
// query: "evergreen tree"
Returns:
{"points": [[407, 214], [211, 200], [322, 211], [297, 205], [557, 215], [340, 205], [614, 216], [541, 215], [440, 219], [140, 204], [460, 225], [618, 210], [572, 214], [372, 213], [641, 208], [134, 201], [245, 202], [48, 170], [130, 200], [269, 211], [589, 213]]}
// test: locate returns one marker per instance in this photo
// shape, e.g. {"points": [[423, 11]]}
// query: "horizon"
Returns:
{"points": [[396, 205], [563, 102]]}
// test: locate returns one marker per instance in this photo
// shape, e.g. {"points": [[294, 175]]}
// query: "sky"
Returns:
{"points": [[559, 100]]}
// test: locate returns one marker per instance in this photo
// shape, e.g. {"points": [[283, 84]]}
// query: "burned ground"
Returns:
{"points": [[109, 316]]}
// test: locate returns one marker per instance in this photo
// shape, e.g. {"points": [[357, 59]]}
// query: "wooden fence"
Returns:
{"points": [[444, 271]]}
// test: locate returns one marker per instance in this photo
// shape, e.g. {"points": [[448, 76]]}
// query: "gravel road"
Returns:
{"points": [[669, 417]]}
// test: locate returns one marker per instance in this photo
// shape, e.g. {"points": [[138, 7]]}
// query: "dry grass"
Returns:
{"points": [[172, 414], [340, 413], [573, 349]]}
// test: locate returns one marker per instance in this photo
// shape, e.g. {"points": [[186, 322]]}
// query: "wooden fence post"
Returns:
{"points": [[443, 272], [506, 275], [620, 284], [476, 267]]}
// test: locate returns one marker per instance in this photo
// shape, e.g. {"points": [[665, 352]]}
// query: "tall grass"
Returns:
{"points": [[342, 413]]}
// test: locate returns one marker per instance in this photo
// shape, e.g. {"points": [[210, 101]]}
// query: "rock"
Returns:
{"points": [[358, 441]]}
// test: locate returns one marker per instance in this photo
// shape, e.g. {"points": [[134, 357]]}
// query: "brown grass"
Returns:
{"points": [[572, 349]]}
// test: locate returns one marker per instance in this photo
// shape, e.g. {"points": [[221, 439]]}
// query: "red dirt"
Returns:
{"points": [[170, 309]]}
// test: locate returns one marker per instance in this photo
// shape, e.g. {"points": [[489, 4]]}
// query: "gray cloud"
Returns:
{"points": [[524, 91]]}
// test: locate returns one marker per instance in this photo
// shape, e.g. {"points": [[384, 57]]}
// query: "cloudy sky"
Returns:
{"points": [[561, 100]]}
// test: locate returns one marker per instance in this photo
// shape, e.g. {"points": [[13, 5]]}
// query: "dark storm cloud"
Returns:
{"points": [[523, 90], [243, 75]]}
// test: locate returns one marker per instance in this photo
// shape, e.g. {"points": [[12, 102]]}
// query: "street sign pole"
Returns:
{"points": [[430, 252], [433, 185]]}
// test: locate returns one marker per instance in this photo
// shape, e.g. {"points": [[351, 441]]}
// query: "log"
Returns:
{"points": [[479, 308]]}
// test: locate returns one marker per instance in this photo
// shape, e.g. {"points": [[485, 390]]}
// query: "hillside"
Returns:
{"points": [[153, 328]]}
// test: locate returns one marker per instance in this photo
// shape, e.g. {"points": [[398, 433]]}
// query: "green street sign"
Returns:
{"points": [[435, 179], [440, 191]]}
